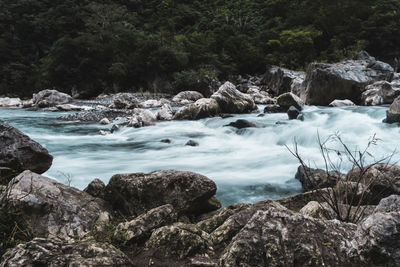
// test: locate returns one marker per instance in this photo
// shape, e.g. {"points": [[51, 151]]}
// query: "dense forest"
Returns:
{"points": [[93, 46]]}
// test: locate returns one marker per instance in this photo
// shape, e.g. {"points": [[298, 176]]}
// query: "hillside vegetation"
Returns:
{"points": [[90, 46]]}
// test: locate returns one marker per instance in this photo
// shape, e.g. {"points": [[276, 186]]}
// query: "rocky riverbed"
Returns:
{"points": [[187, 180]]}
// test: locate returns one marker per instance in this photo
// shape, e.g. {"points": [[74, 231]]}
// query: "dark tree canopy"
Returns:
{"points": [[93, 46]]}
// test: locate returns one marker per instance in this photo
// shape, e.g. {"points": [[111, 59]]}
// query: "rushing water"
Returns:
{"points": [[247, 165]]}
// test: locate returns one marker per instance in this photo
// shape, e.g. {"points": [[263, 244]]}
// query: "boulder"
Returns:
{"points": [[134, 194], [104, 121], [276, 236], [96, 188], [341, 103], [187, 95], [140, 228], [178, 240], [125, 101], [231, 100], [18, 152], [312, 179], [202, 108], [389, 204], [286, 100], [240, 124], [7, 102], [53, 209], [50, 98], [54, 252], [344, 80], [382, 179], [280, 80], [273, 108], [379, 93], [393, 114], [141, 117], [377, 239], [95, 115], [165, 113], [259, 97], [293, 113]]}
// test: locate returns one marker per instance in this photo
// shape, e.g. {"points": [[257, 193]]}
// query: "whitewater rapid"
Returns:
{"points": [[247, 165]]}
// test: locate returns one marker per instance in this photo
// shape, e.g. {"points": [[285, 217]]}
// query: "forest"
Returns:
{"points": [[88, 47]]}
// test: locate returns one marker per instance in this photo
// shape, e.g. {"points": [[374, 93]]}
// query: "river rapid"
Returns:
{"points": [[247, 165]]}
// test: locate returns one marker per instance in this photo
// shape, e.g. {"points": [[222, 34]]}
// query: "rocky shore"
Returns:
{"points": [[172, 218]]}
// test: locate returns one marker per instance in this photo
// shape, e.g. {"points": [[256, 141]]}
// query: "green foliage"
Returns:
{"points": [[95, 46]]}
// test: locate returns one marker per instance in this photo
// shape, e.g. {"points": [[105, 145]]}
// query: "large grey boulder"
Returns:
{"points": [[381, 92], [140, 118], [165, 113], [50, 98], [393, 113], [382, 179], [344, 80], [18, 152], [275, 236], [125, 101], [53, 209], [260, 97], [231, 100], [7, 102], [136, 193], [55, 253], [312, 179], [187, 96], [141, 227], [286, 100], [202, 108], [280, 80]]}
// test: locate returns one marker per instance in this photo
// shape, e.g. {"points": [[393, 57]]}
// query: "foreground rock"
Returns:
{"points": [[50, 98], [7, 102], [393, 114], [293, 113], [53, 209], [136, 193], [287, 100], [381, 92], [240, 124], [348, 79], [202, 108], [53, 252], [18, 152], [165, 113], [312, 179], [231, 100], [187, 96], [281, 80]]}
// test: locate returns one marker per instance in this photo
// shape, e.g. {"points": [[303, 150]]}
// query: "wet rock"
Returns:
{"points": [[389, 204], [114, 128], [341, 103], [240, 124], [312, 179], [134, 194], [278, 237], [96, 188], [141, 118], [50, 98], [286, 100], [18, 152], [71, 107], [260, 97], [393, 114], [348, 79], [94, 116], [379, 93], [231, 100], [293, 113], [202, 108], [165, 113], [281, 80], [140, 228], [225, 115], [187, 95], [178, 240], [104, 132], [104, 121], [167, 141], [377, 239], [273, 108], [53, 252], [382, 180], [125, 101], [7, 102], [53, 209], [191, 143]]}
